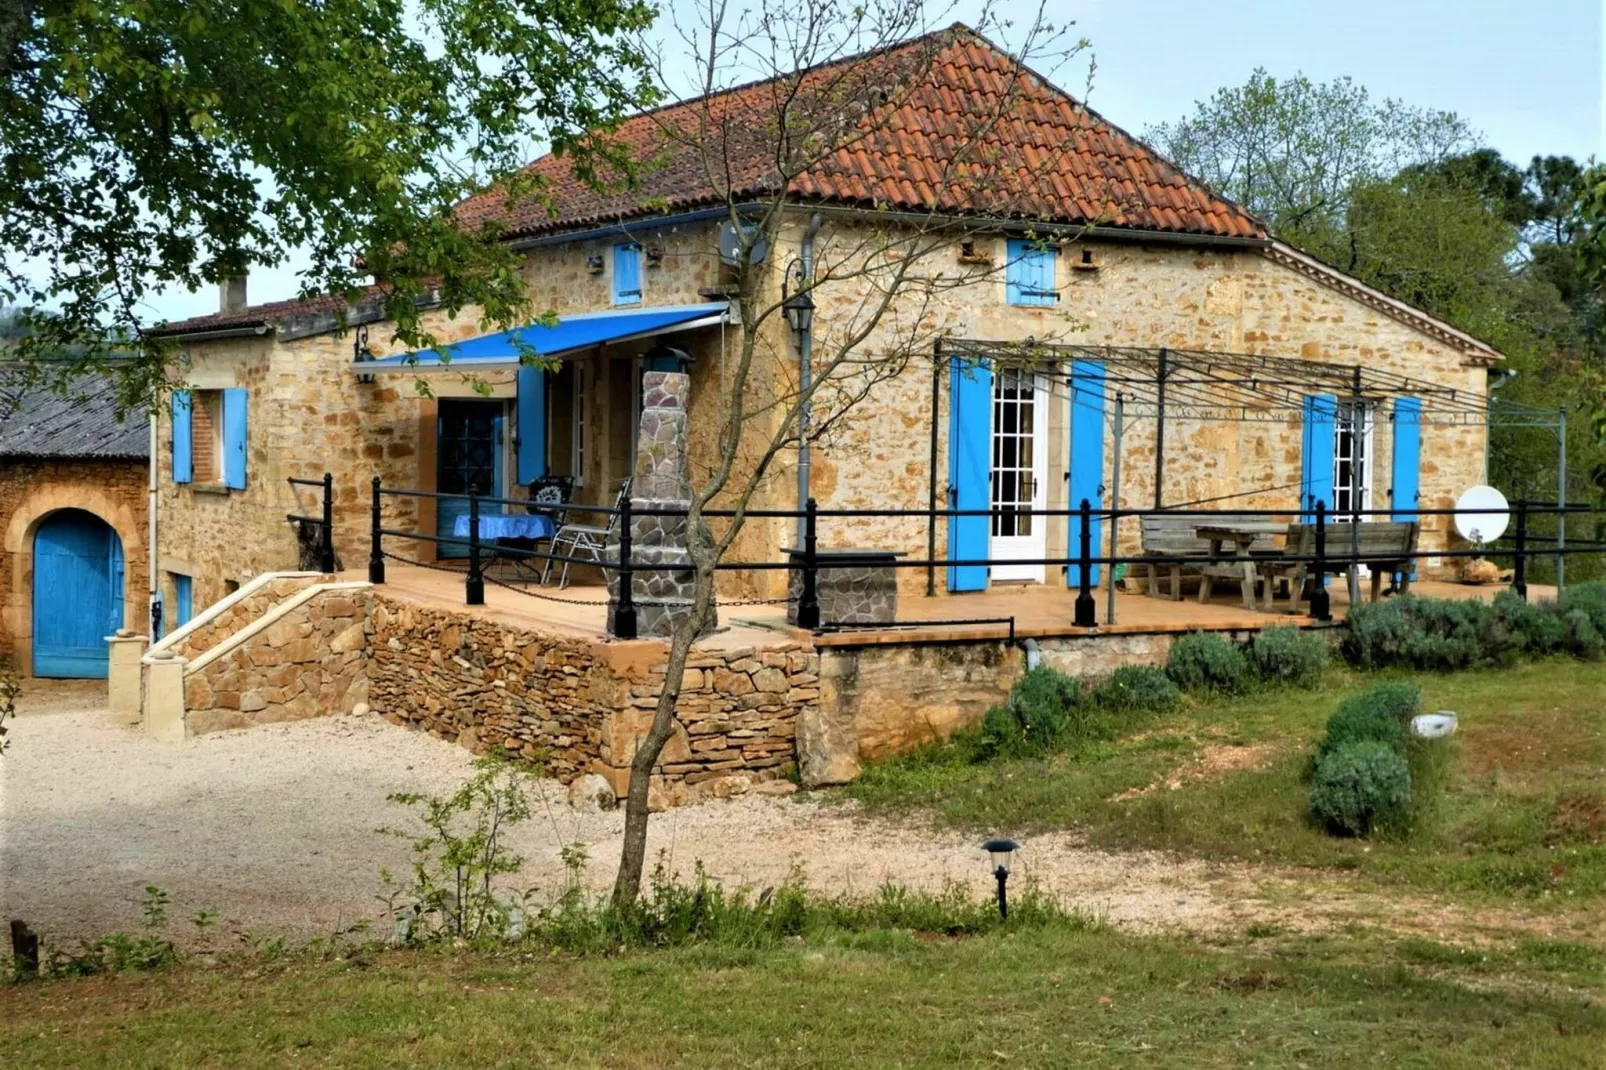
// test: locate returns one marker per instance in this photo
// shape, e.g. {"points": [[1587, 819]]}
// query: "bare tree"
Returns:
{"points": [[830, 83]]}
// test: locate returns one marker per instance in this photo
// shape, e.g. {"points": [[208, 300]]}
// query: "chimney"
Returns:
{"points": [[231, 296]]}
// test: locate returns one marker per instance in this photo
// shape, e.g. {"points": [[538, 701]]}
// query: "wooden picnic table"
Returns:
{"points": [[1242, 534]]}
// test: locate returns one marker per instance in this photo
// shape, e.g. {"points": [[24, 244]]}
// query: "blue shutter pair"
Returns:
{"points": [[1029, 275], [234, 438], [1320, 413], [627, 274], [970, 467]]}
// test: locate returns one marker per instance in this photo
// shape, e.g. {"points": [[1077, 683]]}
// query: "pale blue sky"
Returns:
{"points": [[1526, 73]]}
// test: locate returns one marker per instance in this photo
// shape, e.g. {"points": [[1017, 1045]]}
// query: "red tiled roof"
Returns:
{"points": [[918, 127], [266, 314]]}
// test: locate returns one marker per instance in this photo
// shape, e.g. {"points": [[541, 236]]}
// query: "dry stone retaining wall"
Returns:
{"points": [[304, 661], [239, 615]]}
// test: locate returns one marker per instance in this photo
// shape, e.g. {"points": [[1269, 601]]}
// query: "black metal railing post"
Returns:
{"points": [[376, 552], [1086, 613], [1320, 607], [326, 545], [624, 608], [808, 601], [1519, 573], [474, 587]]}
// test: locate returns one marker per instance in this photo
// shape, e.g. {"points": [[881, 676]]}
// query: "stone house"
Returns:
{"points": [[1150, 260], [73, 494]]}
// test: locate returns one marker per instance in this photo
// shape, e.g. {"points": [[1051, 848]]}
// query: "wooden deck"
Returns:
{"points": [[1038, 611]]}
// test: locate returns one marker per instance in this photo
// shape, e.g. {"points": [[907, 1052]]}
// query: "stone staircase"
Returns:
{"points": [[286, 646]]}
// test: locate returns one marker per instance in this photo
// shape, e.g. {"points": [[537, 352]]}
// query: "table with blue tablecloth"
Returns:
{"points": [[507, 526]]}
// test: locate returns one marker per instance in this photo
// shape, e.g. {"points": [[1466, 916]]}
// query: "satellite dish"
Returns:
{"points": [[730, 244], [1482, 514]]}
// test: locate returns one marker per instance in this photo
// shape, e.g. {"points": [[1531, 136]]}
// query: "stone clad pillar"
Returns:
{"points": [[662, 595]]}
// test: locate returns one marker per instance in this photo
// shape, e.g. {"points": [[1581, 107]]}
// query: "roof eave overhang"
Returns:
{"points": [[244, 330]]}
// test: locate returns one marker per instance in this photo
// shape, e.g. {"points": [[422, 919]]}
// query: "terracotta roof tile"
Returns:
{"points": [[1076, 166]]}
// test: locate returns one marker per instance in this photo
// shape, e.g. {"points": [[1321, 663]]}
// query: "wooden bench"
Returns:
{"points": [[1177, 536], [1385, 546]]}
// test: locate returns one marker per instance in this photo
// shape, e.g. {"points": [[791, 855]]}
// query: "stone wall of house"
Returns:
{"points": [[304, 661], [30, 490], [240, 614], [308, 414], [1230, 300], [579, 705]]}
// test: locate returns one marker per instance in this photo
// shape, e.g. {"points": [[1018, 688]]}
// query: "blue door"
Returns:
{"points": [[77, 594], [468, 458], [1406, 476], [970, 405]]}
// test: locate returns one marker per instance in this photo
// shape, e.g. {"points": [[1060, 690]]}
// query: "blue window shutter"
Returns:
{"points": [[1087, 461], [627, 274], [234, 437], [1406, 476], [183, 466], [970, 414], [532, 425], [1316, 465], [1029, 274]]}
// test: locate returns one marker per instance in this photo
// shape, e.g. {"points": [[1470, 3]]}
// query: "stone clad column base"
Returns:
{"points": [[164, 696]]}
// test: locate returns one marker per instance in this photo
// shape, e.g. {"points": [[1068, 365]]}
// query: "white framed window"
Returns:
{"points": [[1352, 451]]}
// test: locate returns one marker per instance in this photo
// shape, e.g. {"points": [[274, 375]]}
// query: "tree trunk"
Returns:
{"points": [[633, 853]]}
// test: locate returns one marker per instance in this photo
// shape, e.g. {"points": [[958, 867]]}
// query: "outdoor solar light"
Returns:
{"points": [[799, 309], [1003, 853]]}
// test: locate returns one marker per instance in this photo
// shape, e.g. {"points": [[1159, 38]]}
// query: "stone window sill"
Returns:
{"points": [[219, 489]]}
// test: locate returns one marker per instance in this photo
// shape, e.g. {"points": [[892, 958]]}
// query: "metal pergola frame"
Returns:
{"points": [[1206, 385]]}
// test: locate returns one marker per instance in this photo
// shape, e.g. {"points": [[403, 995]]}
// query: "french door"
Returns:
{"points": [[470, 448], [1019, 475]]}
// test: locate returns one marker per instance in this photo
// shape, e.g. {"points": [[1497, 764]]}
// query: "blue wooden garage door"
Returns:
{"points": [[77, 594]]}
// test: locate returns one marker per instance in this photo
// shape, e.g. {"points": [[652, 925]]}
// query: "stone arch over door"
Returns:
{"points": [[32, 511]]}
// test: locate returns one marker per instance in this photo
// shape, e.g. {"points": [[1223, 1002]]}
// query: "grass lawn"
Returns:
{"points": [[1038, 997], [1523, 814]]}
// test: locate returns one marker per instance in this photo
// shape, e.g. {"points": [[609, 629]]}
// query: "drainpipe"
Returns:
{"points": [[150, 537], [805, 364]]}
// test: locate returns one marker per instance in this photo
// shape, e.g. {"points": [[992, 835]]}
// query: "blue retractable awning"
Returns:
{"points": [[581, 331]]}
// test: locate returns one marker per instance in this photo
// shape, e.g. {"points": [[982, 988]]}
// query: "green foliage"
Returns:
{"points": [[676, 914], [119, 952], [1138, 689], [460, 855], [1041, 703], [1206, 662], [1425, 633], [1289, 657], [168, 143], [1380, 714], [1440, 634], [1361, 786]]}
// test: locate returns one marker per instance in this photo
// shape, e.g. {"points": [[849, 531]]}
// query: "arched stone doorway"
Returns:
{"points": [[78, 581]]}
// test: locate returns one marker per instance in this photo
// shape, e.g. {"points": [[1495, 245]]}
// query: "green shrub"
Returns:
{"points": [[1138, 689], [1381, 714], [1360, 787], [1000, 736], [1425, 633], [1288, 657], [1580, 636], [1588, 597], [1536, 629], [1205, 662], [1041, 701]]}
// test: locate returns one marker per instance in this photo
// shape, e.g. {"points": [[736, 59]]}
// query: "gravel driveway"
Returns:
{"points": [[275, 828]]}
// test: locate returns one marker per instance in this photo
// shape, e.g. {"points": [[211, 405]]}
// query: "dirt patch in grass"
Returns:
{"points": [[1215, 761], [1579, 819]]}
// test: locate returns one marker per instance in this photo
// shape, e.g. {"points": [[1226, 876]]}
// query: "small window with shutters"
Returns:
{"points": [[627, 274], [1029, 277], [209, 438]]}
